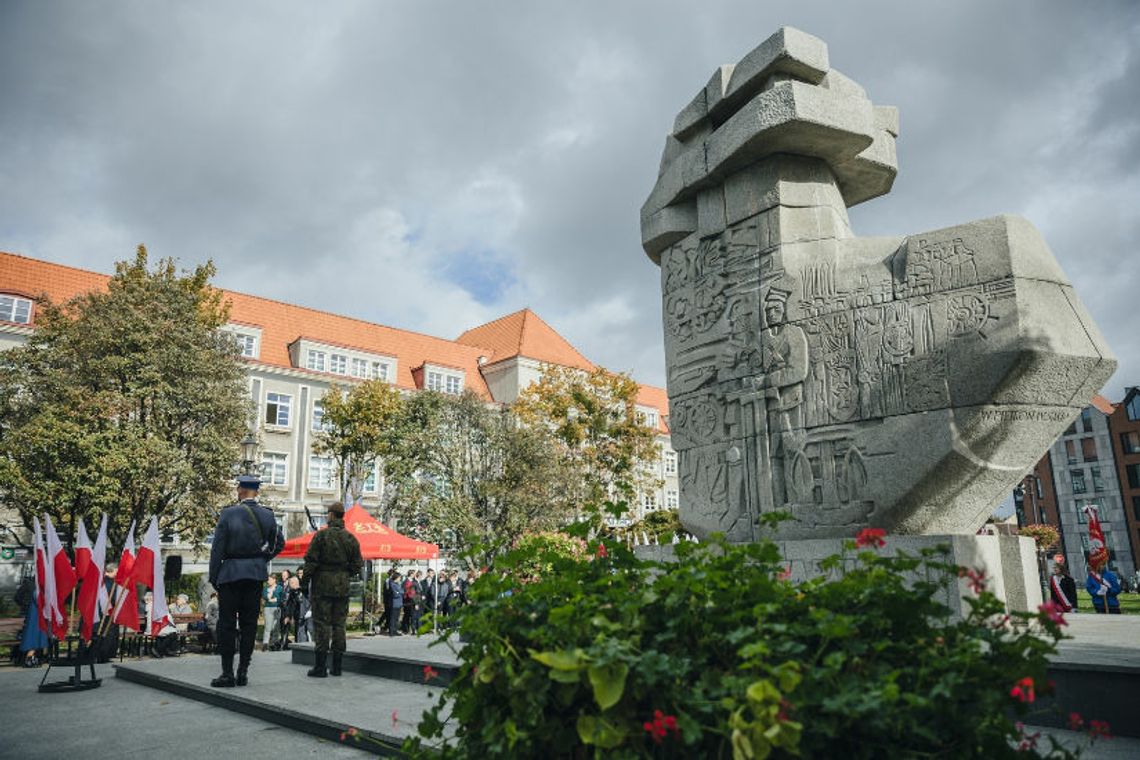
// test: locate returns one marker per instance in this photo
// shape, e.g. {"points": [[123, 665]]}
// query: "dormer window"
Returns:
{"points": [[15, 309], [316, 361], [247, 345]]}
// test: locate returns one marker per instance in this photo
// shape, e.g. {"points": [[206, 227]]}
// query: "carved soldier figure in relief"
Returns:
{"points": [[901, 382]]}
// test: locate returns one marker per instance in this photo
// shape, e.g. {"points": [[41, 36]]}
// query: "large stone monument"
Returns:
{"points": [[906, 382]]}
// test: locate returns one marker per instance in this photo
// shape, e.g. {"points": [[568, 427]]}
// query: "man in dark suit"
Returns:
{"points": [[245, 540]]}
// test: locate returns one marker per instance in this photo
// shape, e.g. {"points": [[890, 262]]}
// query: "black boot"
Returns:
{"points": [[335, 670], [242, 672], [318, 670], [226, 679]]}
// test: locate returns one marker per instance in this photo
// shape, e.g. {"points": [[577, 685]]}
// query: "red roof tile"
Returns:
{"points": [[280, 323], [1103, 405], [524, 334]]}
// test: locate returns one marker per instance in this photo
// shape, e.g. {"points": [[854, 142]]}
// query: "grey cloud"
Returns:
{"points": [[339, 155]]}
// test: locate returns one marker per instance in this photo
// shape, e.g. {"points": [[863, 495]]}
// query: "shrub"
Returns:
{"points": [[717, 655], [1045, 536]]}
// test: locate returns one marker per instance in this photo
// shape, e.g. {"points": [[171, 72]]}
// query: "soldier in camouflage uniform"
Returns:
{"points": [[333, 557]]}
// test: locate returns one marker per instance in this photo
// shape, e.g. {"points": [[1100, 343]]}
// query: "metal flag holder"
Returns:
{"points": [[84, 655], [76, 682]]}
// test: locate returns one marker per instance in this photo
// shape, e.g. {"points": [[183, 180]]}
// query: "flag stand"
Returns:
{"points": [[78, 660]]}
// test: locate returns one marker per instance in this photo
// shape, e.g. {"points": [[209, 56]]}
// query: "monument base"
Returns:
{"points": [[1009, 563]]}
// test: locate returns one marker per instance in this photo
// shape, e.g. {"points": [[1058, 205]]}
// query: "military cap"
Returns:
{"points": [[252, 482]]}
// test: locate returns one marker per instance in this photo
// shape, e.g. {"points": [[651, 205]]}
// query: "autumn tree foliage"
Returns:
{"points": [[356, 430], [128, 401], [460, 471], [593, 416]]}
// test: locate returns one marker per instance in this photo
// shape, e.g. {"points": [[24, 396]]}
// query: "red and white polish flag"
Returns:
{"points": [[44, 614], [89, 567], [148, 571], [126, 610], [63, 579]]}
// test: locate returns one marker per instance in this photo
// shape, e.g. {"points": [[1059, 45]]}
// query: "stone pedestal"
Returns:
{"points": [[1009, 563]]}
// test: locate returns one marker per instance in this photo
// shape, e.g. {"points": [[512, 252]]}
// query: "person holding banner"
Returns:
{"points": [[245, 540], [1102, 584]]}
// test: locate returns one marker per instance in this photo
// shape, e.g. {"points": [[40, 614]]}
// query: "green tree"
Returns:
{"points": [[128, 401], [461, 470], [594, 417], [356, 428]]}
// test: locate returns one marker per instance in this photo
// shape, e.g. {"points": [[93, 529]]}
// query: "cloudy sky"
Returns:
{"points": [[435, 165]]}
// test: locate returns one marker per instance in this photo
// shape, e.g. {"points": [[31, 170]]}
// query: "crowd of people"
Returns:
{"points": [[406, 597]]}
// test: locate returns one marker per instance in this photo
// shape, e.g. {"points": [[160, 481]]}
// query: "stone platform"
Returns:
{"points": [[1097, 672], [377, 695], [398, 659]]}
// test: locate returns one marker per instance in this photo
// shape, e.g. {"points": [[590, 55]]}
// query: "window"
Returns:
{"points": [[1040, 492], [1133, 473], [1097, 481], [316, 360], [319, 416], [370, 482], [453, 385], [322, 472], [359, 368], [670, 462], [1071, 452], [277, 409], [338, 364], [649, 501], [1136, 507], [1130, 442], [1086, 420], [247, 345], [273, 468], [671, 499], [1133, 407], [1071, 429], [1088, 449], [1078, 478], [434, 381], [380, 371], [15, 309], [648, 419]]}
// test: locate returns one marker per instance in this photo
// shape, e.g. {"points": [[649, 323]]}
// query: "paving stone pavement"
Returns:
{"points": [[126, 721]]}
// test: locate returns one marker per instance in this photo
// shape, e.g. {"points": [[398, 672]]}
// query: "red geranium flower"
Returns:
{"points": [[429, 673], [661, 726], [872, 537], [1053, 611], [1023, 691], [601, 552], [1075, 721], [1099, 729], [975, 578]]}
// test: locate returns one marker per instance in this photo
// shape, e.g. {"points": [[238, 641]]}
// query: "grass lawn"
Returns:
{"points": [[1129, 603]]}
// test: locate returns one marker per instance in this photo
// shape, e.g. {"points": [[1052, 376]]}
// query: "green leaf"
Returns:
{"points": [[565, 676], [599, 732], [608, 682], [565, 659]]}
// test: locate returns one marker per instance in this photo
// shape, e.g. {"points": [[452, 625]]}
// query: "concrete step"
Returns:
{"points": [[401, 658], [1097, 673], [383, 711]]}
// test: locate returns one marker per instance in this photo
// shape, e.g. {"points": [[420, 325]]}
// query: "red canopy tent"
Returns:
{"points": [[377, 540]]}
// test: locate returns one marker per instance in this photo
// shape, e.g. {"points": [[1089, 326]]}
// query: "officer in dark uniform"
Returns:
{"points": [[332, 559], [245, 539]]}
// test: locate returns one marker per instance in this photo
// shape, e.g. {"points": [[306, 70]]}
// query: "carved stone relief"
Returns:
{"points": [[818, 373]]}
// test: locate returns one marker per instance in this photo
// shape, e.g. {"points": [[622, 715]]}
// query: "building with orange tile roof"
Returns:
{"points": [[295, 354]]}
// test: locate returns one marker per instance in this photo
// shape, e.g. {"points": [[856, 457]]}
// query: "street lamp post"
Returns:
{"points": [[248, 453]]}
